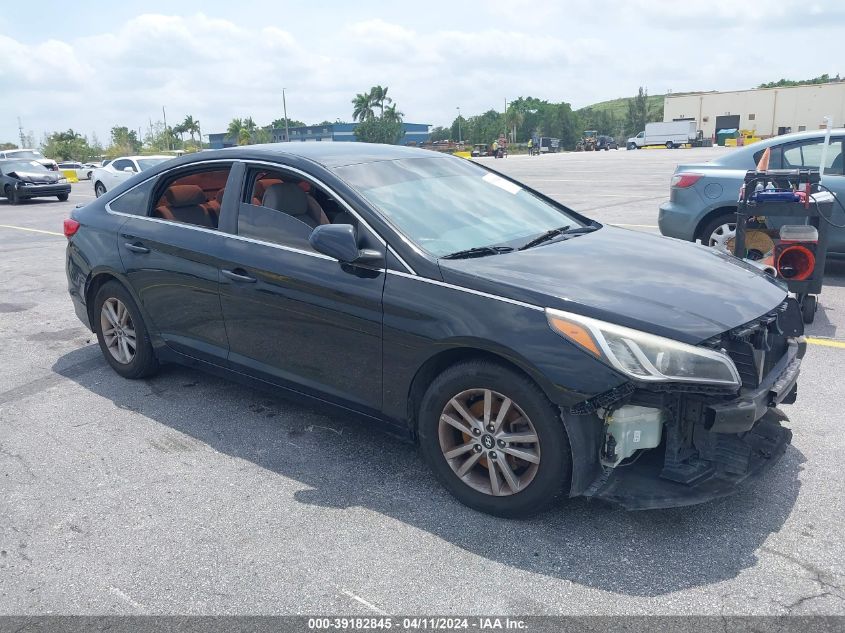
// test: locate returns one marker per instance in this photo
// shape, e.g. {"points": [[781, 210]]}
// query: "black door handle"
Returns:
{"points": [[238, 276], [136, 248]]}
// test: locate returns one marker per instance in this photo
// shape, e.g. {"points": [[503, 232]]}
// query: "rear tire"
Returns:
{"points": [[99, 189], [669, 145], [122, 336], [525, 487]]}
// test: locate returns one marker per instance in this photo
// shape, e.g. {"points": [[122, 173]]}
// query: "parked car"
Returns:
{"points": [[25, 179], [29, 154], [606, 143], [120, 169], [703, 196], [82, 172], [451, 304], [479, 149]]}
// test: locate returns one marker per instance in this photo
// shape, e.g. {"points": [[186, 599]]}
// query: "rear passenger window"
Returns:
{"points": [[135, 201], [283, 208], [192, 198]]}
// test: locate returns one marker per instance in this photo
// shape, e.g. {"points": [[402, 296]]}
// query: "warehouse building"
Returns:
{"points": [[766, 111], [415, 134]]}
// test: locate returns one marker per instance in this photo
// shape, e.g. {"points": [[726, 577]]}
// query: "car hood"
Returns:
{"points": [[36, 177], [656, 284]]}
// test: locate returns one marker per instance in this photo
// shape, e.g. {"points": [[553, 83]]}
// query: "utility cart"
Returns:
{"points": [[782, 226]]}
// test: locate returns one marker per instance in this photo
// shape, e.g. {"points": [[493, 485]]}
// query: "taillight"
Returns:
{"points": [[682, 181], [71, 226]]}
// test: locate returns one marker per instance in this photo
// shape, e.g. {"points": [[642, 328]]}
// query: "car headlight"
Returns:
{"points": [[62, 179], [643, 356]]}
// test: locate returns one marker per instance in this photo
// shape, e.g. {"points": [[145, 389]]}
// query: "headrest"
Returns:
{"points": [[286, 197], [219, 195], [261, 186], [184, 195]]}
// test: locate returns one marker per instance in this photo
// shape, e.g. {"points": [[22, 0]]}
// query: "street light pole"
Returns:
{"points": [[460, 140], [285, 106]]}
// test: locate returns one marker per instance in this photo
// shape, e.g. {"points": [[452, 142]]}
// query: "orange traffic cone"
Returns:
{"points": [[763, 163]]}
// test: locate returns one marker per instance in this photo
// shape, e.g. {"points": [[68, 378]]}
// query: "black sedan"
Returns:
{"points": [[530, 351], [24, 179]]}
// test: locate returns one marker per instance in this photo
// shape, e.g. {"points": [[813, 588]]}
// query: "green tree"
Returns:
{"points": [[8, 146], [279, 124], [68, 145], [378, 98], [639, 112], [363, 107], [821, 79], [440, 133], [379, 131], [123, 141], [191, 126], [391, 115]]}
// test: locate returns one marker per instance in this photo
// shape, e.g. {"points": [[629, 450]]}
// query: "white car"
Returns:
{"points": [[82, 172], [29, 154], [120, 169]]}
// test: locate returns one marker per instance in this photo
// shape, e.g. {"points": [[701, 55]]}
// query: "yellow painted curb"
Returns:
{"points": [[70, 174]]}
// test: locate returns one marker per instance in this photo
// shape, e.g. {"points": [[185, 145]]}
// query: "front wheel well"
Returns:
{"points": [[441, 361], [709, 218]]}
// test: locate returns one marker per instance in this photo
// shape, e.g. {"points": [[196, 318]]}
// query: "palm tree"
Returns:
{"points": [[378, 97], [392, 116], [363, 107], [191, 126], [234, 129]]}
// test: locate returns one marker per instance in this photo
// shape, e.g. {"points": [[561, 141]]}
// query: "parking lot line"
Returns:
{"points": [[26, 228], [825, 342]]}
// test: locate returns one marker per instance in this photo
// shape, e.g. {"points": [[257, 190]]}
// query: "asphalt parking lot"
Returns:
{"points": [[186, 494]]}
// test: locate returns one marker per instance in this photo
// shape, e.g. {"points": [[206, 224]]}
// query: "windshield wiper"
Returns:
{"points": [[478, 251], [553, 233]]}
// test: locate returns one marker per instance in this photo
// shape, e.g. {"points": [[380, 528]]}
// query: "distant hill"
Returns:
{"points": [[618, 108]]}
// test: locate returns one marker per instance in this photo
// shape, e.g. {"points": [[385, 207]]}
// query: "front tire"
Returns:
{"points": [[494, 440], [670, 145], [121, 333], [12, 195], [62, 197]]}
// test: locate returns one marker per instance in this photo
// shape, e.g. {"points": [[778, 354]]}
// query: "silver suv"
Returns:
{"points": [[703, 197]]}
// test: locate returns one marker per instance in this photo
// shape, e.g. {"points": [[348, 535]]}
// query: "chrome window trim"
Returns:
{"points": [[479, 293], [247, 162], [401, 261]]}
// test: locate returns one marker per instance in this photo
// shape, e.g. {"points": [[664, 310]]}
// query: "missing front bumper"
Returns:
{"points": [[640, 486]]}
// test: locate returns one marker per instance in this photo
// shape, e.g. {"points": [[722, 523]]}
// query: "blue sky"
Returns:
{"points": [[98, 64]]}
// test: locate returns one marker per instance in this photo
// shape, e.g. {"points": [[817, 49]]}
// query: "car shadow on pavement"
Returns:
{"points": [[345, 462]]}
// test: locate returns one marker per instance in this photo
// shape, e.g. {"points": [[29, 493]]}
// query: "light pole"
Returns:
{"points": [[285, 106], [460, 140]]}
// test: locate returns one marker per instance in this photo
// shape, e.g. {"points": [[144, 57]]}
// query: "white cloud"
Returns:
{"points": [[583, 51]]}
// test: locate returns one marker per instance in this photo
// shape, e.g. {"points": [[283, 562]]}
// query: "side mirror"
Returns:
{"points": [[129, 169], [339, 241]]}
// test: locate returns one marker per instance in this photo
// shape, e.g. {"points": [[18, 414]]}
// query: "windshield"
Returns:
{"points": [[445, 205], [146, 163], [28, 166], [24, 153]]}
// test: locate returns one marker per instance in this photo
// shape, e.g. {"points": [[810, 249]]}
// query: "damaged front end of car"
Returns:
{"points": [[693, 422]]}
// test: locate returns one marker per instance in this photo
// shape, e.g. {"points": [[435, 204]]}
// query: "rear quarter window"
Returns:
{"points": [[135, 201]]}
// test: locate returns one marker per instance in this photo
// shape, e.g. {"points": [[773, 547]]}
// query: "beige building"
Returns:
{"points": [[767, 111]]}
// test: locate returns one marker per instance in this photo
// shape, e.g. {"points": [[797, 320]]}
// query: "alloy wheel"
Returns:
{"points": [[489, 442], [118, 330]]}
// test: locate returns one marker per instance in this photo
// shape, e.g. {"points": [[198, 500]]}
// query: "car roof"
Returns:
{"points": [[331, 154], [736, 156]]}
